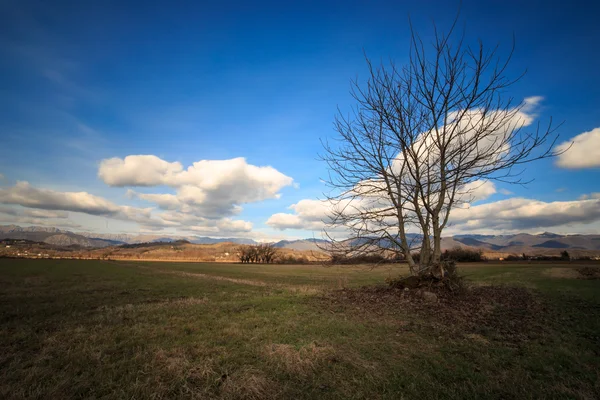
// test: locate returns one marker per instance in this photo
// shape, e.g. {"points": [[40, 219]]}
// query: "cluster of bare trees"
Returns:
{"points": [[262, 253], [422, 138]]}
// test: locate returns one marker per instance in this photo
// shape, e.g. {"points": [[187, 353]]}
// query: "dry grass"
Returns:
{"points": [[248, 383], [132, 308], [299, 289], [299, 360], [71, 329]]}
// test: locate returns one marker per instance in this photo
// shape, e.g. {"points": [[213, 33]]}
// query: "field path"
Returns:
{"points": [[308, 289]]}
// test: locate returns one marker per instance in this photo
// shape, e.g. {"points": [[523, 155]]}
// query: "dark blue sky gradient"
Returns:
{"points": [[81, 81]]}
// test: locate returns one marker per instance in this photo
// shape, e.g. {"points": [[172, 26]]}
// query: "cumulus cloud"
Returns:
{"points": [[477, 190], [20, 220], [17, 215], [44, 214], [44, 205], [504, 215], [284, 221], [206, 226], [138, 170], [491, 147], [164, 201], [208, 188], [25, 195], [595, 195], [520, 213], [308, 214], [583, 151], [369, 196]]}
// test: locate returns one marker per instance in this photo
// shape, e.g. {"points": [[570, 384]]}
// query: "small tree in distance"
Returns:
{"points": [[262, 253], [421, 139]]}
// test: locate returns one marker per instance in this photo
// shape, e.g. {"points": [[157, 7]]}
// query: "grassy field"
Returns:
{"points": [[101, 329]]}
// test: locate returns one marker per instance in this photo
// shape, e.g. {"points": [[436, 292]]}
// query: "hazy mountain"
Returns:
{"points": [[209, 240], [552, 244], [302, 244], [148, 238], [472, 242], [29, 229], [116, 237], [528, 243], [514, 244], [52, 236]]}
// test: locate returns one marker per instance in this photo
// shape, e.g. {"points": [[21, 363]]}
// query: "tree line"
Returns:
{"points": [[263, 253]]}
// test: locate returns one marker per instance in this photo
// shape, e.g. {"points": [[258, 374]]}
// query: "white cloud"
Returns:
{"points": [[20, 220], [206, 226], [165, 201], [477, 190], [505, 192], [208, 188], [494, 145], [524, 214], [309, 214], [582, 151], [44, 214], [18, 215], [514, 214], [45, 204], [284, 221], [25, 195], [138, 170], [530, 104], [595, 195]]}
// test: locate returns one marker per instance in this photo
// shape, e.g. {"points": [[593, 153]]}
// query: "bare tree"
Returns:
{"points": [[420, 140], [263, 253], [267, 252], [245, 254]]}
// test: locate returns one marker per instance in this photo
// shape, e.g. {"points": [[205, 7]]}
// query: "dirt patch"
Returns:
{"points": [[480, 313], [574, 273], [565, 273], [589, 272], [299, 360]]}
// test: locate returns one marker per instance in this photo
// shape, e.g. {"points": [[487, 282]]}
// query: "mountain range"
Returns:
{"points": [[544, 243]]}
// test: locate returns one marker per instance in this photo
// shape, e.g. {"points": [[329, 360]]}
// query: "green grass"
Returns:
{"points": [[100, 329]]}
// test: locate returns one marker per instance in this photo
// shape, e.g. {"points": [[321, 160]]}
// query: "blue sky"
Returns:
{"points": [[83, 82]]}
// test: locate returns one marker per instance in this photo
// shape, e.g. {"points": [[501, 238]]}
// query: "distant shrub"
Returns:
{"points": [[460, 254]]}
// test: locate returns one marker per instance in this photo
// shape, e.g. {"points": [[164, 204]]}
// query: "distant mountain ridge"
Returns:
{"points": [[146, 238], [514, 244], [54, 236]]}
